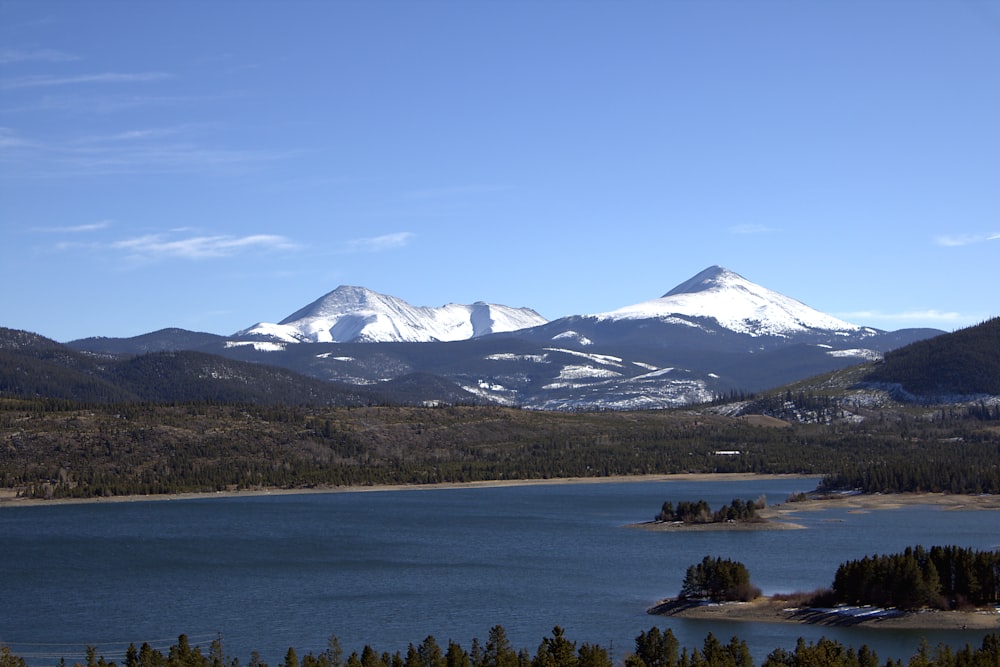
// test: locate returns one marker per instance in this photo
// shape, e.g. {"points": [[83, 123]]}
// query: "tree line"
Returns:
{"points": [[700, 511], [57, 448], [942, 577], [718, 579], [654, 648]]}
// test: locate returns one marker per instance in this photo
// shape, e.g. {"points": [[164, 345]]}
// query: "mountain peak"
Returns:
{"points": [[713, 276], [734, 303], [331, 304]]}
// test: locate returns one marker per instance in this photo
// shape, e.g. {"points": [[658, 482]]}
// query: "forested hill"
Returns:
{"points": [[963, 363], [32, 366]]}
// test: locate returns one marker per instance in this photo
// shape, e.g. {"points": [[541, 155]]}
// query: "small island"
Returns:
{"points": [[737, 515], [940, 587]]}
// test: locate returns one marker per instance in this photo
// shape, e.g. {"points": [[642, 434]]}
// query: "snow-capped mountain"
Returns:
{"points": [[713, 334], [355, 314], [736, 304]]}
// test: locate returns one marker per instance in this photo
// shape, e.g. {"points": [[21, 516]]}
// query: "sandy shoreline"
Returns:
{"points": [[858, 503], [735, 526], [781, 516], [8, 496], [771, 610]]}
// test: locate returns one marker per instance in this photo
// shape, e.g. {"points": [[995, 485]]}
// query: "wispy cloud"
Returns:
{"points": [[954, 241], [75, 229], [47, 80], [161, 246], [380, 243], [750, 229], [35, 55], [127, 152], [134, 135], [10, 139], [99, 104]]}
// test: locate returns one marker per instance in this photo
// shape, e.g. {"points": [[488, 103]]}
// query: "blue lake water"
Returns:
{"points": [[390, 568]]}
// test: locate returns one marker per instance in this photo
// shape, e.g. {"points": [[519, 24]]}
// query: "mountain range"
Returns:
{"points": [[713, 334], [358, 315]]}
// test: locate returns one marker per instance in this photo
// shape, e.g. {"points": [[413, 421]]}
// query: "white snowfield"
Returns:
{"points": [[736, 304], [355, 314]]}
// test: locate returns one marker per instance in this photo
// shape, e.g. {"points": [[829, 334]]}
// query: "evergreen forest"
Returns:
{"points": [[719, 580], [654, 648], [699, 512], [947, 577], [59, 448]]}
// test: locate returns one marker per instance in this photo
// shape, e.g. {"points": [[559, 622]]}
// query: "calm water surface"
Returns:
{"points": [[389, 568]]}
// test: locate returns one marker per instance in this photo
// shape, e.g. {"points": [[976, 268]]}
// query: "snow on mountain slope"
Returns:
{"points": [[356, 314], [736, 304]]}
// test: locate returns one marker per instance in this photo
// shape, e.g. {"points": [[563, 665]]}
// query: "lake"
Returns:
{"points": [[390, 568]]}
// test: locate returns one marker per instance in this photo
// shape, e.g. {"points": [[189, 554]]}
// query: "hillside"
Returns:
{"points": [[839, 425], [965, 363], [32, 366]]}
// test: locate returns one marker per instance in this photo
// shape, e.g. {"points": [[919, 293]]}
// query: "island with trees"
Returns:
{"points": [[920, 587], [738, 514]]}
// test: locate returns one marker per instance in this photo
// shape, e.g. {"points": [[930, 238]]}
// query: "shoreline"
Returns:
{"points": [[8, 496], [781, 516], [775, 610], [860, 503], [735, 526]]}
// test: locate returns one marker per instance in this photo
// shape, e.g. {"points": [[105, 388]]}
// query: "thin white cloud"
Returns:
{"points": [[47, 80], [98, 104], [75, 229], [135, 135], [954, 241], [380, 243], [157, 246], [750, 229], [10, 139], [132, 151], [35, 55]]}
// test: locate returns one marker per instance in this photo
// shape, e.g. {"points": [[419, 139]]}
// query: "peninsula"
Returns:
{"points": [[941, 587]]}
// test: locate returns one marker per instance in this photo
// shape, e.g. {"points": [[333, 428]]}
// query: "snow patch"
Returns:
{"points": [[259, 345], [329, 355], [572, 335], [660, 372], [605, 359], [648, 367], [508, 356], [491, 386], [578, 372], [859, 353]]}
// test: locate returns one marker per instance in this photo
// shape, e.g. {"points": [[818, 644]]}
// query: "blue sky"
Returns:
{"points": [[209, 165]]}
